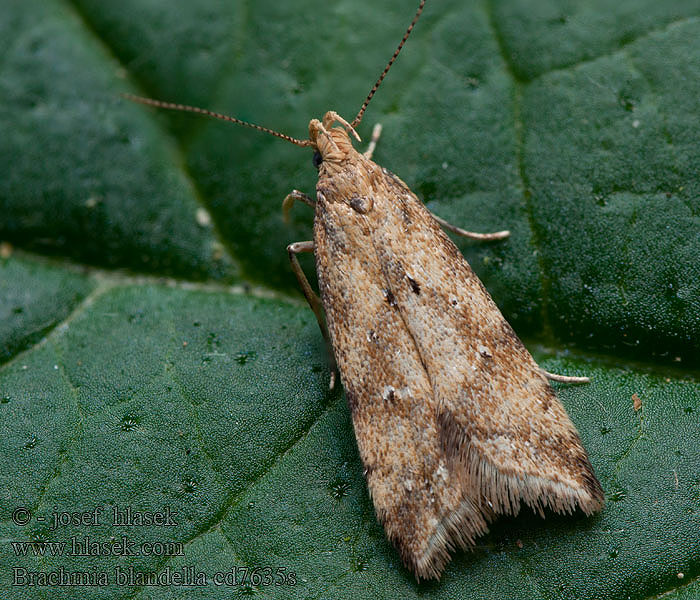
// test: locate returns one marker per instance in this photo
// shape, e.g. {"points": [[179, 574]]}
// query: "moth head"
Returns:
{"points": [[330, 144]]}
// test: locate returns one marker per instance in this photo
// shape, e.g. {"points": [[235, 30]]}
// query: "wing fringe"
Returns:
{"points": [[458, 529]]}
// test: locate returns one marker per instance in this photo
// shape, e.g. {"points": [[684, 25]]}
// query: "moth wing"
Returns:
{"points": [[394, 412], [501, 425]]}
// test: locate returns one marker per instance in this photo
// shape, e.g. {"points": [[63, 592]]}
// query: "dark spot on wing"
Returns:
{"points": [[391, 300], [361, 204], [414, 284], [351, 400]]}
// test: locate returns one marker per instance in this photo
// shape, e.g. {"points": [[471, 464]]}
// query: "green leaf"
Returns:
{"points": [[156, 354]]}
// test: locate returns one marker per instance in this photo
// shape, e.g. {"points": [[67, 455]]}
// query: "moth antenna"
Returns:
{"points": [[213, 115], [358, 118]]}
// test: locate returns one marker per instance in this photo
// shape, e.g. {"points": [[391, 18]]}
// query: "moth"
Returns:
{"points": [[455, 422]]}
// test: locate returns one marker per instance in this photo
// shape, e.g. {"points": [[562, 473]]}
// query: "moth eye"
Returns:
{"points": [[318, 159]]}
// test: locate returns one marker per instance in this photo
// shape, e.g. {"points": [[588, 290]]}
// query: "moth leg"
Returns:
{"points": [[376, 132], [564, 378], [288, 202], [311, 297], [497, 235]]}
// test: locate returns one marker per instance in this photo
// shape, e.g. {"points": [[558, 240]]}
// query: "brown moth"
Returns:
{"points": [[455, 422]]}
